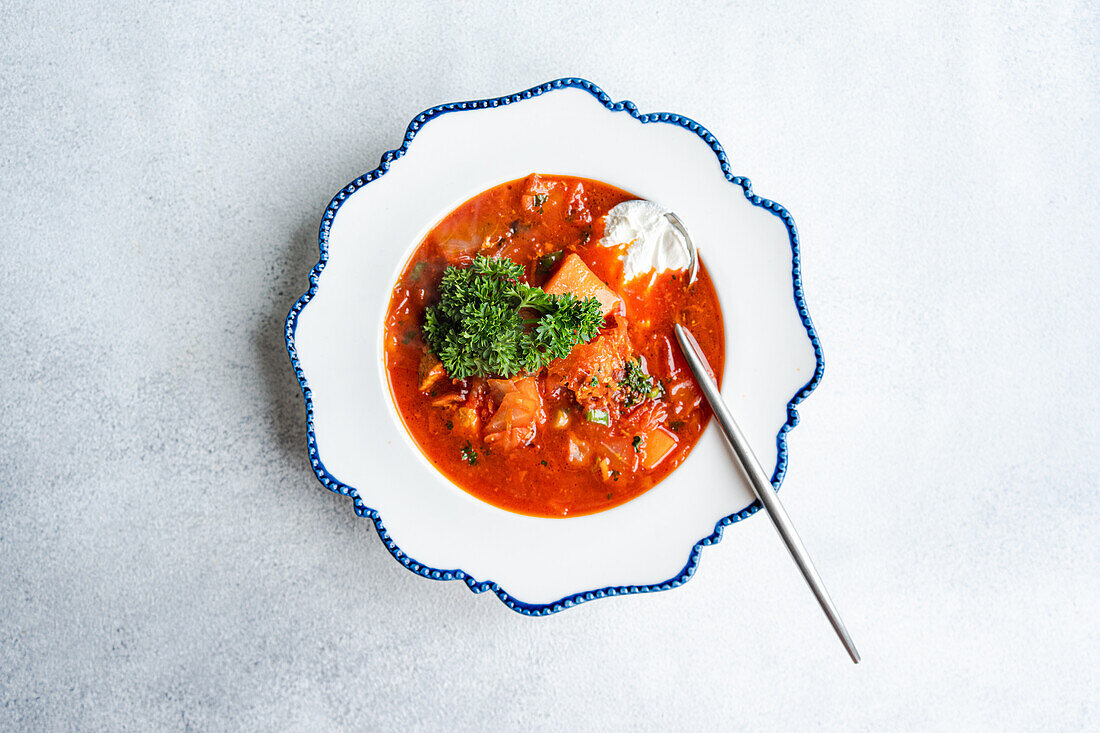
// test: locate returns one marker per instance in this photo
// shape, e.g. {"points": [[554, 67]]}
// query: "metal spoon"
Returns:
{"points": [[692, 250], [761, 484]]}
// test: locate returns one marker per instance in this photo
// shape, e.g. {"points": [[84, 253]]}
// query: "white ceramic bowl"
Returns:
{"points": [[357, 443]]}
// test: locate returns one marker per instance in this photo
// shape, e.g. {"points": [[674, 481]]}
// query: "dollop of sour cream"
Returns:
{"points": [[653, 244]]}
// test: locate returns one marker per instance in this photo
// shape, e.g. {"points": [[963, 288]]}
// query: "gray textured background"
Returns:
{"points": [[167, 559]]}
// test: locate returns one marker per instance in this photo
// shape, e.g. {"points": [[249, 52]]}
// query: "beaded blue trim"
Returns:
{"points": [[480, 586]]}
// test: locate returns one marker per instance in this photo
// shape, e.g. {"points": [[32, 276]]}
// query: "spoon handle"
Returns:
{"points": [[762, 486]]}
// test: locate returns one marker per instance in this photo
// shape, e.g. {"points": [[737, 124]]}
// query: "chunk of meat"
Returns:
{"points": [[593, 370], [430, 371], [518, 415], [573, 276], [451, 398], [477, 397]]}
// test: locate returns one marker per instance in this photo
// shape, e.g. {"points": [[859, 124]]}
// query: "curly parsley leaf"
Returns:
{"points": [[488, 323]]}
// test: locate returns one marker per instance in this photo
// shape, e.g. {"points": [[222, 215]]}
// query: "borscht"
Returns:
{"points": [[530, 351]]}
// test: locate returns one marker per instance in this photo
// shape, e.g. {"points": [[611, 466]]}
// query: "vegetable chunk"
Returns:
{"points": [[527, 370], [483, 324], [659, 443], [593, 370], [429, 372], [575, 277], [516, 420]]}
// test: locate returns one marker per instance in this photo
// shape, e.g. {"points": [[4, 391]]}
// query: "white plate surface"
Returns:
{"points": [[336, 337]]}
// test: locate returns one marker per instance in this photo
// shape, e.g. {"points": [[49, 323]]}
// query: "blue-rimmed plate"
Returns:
{"points": [[357, 443]]}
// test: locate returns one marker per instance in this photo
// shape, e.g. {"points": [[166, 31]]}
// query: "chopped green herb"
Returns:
{"points": [[544, 463], [482, 325], [540, 199], [658, 390], [469, 454], [408, 335], [450, 425], [599, 417], [614, 475], [609, 495], [636, 384], [546, 262], [637, 443], [417, 271], [676, 425], [586, 235], [594, 382]]}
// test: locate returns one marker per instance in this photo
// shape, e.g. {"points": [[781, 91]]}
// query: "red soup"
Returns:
{"points": [[554, 436]]}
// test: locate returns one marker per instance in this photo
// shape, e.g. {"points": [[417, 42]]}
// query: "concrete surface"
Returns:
{"points": [[168, 561]]}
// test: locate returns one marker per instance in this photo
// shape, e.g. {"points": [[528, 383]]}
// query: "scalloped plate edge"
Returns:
{"points": [[333, 484]]}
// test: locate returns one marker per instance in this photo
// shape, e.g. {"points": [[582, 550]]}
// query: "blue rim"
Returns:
{"points": [[480, 586]]}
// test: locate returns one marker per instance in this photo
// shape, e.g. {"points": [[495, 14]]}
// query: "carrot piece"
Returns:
{"points": [[658, 444], [573, 276]]}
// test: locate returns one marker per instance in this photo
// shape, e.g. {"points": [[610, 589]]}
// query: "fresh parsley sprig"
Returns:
{"points": [[487, 323]]}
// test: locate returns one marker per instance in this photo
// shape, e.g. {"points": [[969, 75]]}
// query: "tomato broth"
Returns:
{"points": [[570, 439]]}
